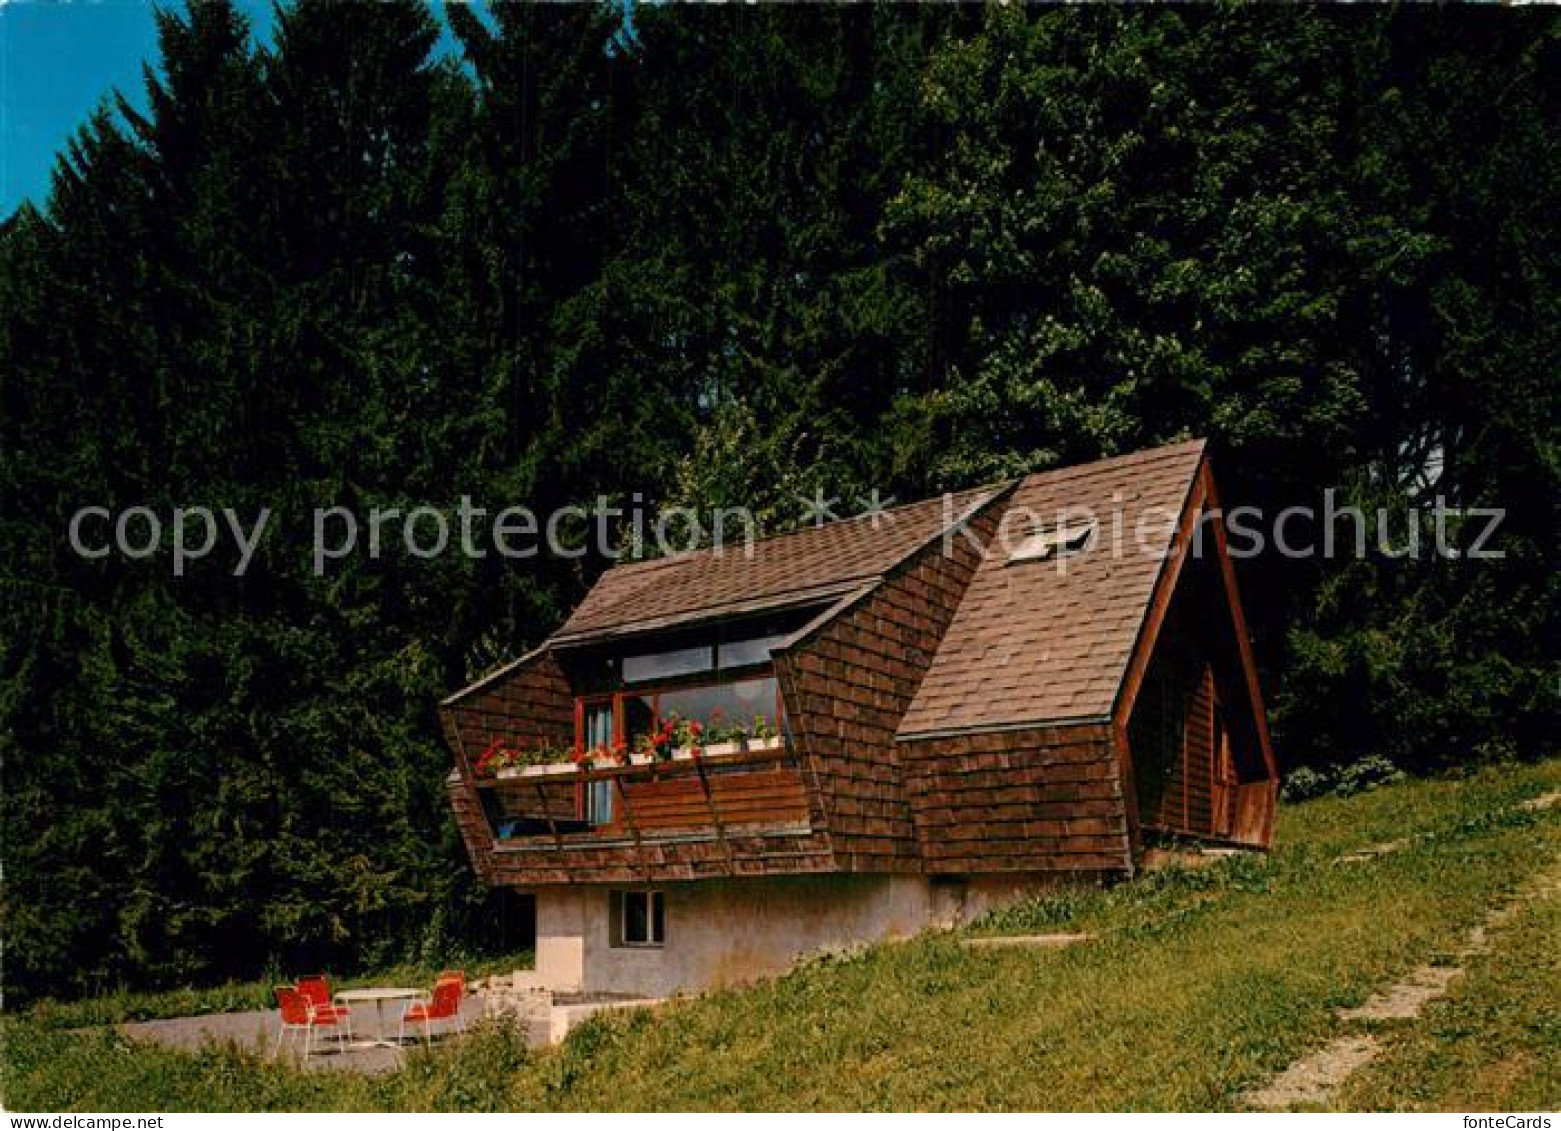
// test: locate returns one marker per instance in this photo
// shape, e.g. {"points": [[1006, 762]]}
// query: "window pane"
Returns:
{"points": [[738, 653], [658, 921], [598, 802], [635, 925], [598, 732], [598, 725], [639, 715], [736, 702], [664, 665]]}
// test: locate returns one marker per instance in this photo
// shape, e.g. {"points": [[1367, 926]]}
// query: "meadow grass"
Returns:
{"points": [[1201, 984]]}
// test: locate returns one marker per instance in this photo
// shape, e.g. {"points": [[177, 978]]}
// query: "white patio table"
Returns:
{"points": [[379, 997]]}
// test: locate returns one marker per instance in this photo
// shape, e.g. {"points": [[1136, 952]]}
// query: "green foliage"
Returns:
{"points": [[746, 255], [1366, 773]]}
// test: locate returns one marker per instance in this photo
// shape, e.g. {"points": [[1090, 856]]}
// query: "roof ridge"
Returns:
{"points": [[971, 501], [989, 489], [1126, 459]]}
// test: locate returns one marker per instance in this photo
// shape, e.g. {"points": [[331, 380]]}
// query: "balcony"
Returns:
{"points": [[740, 793]]}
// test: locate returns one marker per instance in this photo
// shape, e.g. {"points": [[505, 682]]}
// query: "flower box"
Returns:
{"points": [[639, 758], [721, 749], [541, 770], [774, 742], [683, 753], [547, 769]]}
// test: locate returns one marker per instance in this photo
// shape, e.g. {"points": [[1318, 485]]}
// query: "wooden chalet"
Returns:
{"points": [[976, 696]]}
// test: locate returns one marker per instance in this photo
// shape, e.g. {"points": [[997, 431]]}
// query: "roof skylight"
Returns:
{"points": [[1049, 542]]}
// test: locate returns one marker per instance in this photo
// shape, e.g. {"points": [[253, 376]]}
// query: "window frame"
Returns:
{"points": [[618, 918], [654, 692], [583, 705], [718, 667], [621, 664]]}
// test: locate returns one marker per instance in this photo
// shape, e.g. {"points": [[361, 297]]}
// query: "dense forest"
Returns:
{"points": [[711, 256]]}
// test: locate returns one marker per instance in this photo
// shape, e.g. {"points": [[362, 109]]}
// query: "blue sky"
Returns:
{"points": [[58, 60]]}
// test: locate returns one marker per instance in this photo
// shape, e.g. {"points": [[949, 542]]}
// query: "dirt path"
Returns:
{"points": [[1315, 1079]]}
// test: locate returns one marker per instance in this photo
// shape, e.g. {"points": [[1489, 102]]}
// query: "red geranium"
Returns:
{"points": [[488, 759], [661, 740]]}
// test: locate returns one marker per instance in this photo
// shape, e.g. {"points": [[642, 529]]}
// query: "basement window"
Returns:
{"points": [[638, 918], [1047, 543]]}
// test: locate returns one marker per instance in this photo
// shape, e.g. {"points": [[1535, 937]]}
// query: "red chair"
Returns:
{"points": [[299, 1014], [444, 1004], [317, 988]]}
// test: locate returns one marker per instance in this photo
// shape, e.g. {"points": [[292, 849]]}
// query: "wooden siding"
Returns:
{"points": [[1253, 815], [1198, 755], [759, 827], [1170, 735], [531, 797], [531, 700], [846, 688], [466, 807], [772, 796], [1044, 799], [1172, 731]]}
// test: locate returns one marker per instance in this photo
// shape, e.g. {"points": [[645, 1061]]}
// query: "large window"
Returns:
{"points": [[720, 682], [740, 701], [639, 714], [743, 653], [736, 702], [715, 677]]}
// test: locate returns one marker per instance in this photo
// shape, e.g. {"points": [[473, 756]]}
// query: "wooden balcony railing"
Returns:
{"points": [[710, 794]]}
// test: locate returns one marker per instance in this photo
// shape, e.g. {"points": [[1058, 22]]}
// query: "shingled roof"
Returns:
{"points": [[1039, 642], [777, 572]]}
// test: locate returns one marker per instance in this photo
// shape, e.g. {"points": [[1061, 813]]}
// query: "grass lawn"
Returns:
{"points": [[1202, 984]]}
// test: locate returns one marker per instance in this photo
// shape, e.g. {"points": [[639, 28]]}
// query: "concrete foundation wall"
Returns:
{"points": [[724, 932]]}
